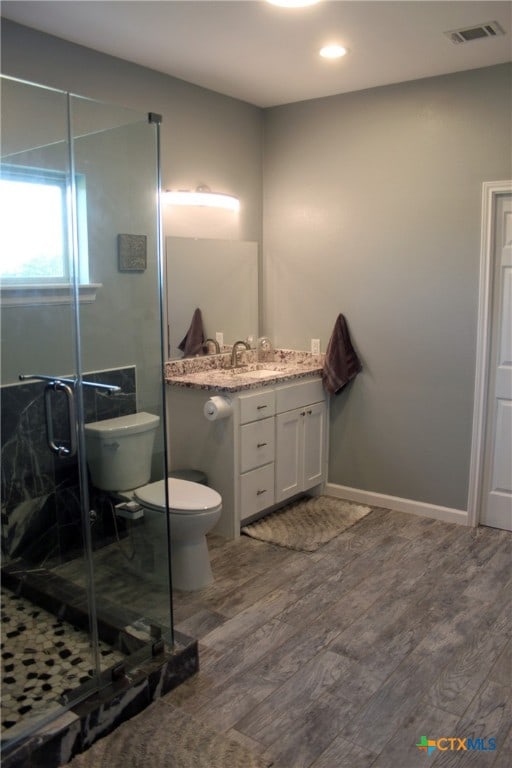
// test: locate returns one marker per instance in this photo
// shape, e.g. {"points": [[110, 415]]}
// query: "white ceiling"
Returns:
{"points": [[268, 55]]}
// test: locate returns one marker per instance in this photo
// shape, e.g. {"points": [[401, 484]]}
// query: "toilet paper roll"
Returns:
{"points": [[217, 408]]}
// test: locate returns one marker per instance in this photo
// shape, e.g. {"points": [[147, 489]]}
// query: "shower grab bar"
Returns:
{"points": [[110, 388], [66, 385], [59, 448]]}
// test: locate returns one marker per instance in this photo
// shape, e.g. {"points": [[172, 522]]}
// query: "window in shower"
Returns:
{"points": [[34, 236]]}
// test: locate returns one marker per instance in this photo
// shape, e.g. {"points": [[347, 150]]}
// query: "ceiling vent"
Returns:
{"points": [[467, 35]]}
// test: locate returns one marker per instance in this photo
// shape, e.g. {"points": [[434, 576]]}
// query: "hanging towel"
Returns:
{"points": [[192, 342], [341, 363]]}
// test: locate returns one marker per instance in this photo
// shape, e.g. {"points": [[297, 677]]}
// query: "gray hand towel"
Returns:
{"points": [[192, 342], [341, 363]]}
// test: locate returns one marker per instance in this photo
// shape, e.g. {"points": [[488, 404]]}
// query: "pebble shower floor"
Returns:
{"points": [[41, 658]]}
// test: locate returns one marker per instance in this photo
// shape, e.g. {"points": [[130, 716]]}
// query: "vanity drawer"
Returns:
{"points": [[256, 444], [297, 395], [257, 406], [256, 491]]}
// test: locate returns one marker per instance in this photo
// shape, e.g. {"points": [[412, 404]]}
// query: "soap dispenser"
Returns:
{"points": [[265, 350]]}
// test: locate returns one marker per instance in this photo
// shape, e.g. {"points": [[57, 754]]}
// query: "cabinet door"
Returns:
{"points": [[314, 444], [289, 453]]}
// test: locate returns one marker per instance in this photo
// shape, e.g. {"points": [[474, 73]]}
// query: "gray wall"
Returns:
{"points": [[372, 207], [206, 138]]}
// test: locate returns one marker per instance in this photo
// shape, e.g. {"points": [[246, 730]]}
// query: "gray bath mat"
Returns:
{"points": [[166, 737], [307, 524]]}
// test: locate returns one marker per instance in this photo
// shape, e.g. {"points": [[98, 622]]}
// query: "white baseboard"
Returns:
{"points": [[446, 514]]}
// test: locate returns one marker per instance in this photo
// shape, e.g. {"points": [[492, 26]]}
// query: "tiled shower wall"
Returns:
{"points": [[41, 517]]}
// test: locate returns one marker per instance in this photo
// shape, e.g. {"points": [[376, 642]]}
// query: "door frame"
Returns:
{"points": [[490, 192]]}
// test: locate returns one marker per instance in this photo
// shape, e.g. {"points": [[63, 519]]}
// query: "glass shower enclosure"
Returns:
{"points": [[81, 332]]}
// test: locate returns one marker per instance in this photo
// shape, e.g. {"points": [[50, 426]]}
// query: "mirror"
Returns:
{"points": [[220, 277]]}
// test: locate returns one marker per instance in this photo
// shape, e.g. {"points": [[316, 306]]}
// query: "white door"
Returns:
{"points": [[496, 505]]}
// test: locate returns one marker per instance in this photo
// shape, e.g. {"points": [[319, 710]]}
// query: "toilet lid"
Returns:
{"points": [[184, 496]]}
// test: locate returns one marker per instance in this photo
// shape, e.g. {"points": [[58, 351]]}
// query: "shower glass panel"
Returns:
{"points": [[115, 151], [85, 593]]}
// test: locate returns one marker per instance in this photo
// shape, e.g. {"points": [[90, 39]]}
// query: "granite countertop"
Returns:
{"points": [[214, 372]]}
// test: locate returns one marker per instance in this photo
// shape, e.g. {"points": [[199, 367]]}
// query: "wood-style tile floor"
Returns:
{"points": [[345, 658]]}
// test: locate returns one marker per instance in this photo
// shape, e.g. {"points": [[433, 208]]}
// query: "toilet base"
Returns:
{"points": [[190, 565]]}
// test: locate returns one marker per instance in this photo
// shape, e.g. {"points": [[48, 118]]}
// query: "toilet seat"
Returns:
{"points": [[185, 497]]}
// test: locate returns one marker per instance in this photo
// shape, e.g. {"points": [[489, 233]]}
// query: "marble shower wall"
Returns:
{"points": [[41, 517]]}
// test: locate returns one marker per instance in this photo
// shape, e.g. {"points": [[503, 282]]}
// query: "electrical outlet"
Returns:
{"points": [[315, 346], [219, 336]]}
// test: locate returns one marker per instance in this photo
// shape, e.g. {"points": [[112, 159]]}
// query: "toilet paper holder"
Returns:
{"points": [[217, 408]]}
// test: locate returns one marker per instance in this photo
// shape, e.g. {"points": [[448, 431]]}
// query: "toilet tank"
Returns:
{"points": [[119, 451]]}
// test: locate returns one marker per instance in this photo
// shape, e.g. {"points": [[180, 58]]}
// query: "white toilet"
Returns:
{"points": [[119, 454]]}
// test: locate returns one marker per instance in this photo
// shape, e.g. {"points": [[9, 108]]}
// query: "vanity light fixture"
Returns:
{"points": [[202, 196], [293, 3], [334, 51]]}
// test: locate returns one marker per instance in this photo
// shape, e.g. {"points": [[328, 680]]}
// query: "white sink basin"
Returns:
{"points": [[260, 373], [254, 373]]}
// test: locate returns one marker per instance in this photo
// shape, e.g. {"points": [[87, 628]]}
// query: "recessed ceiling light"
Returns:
{"points": [[293, 3], [333, 51]]}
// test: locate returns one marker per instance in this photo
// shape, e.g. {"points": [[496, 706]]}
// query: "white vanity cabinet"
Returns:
{"points": [[300, 439], [273, 445]]}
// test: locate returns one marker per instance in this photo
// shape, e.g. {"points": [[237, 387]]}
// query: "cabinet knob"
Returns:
{"points": [[303, 413], [259, 407], [261, 445], [310, 412], [258, 493]]}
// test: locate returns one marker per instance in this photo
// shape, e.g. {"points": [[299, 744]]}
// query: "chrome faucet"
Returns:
{"points": [[236, 353], [215, 343]]}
